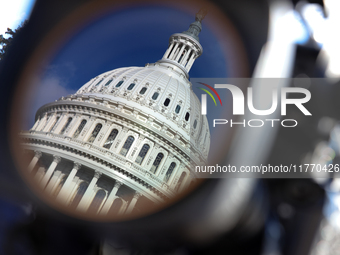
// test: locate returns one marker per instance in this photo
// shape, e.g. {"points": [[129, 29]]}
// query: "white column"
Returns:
{"points": [[111, 197], [34, 161], [173, 51], [50, 170], [190, 62], [180, 52], [84, 201], [35, 124], [77, 120], [133, 202], [62, 120], [42, 122], [168, 50], [49, 125], [64, 190], [185, 57], [52, 183], [39, 174]]}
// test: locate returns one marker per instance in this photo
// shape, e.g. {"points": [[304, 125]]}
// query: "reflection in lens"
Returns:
{"points": [[110, 149], [125, 143]]}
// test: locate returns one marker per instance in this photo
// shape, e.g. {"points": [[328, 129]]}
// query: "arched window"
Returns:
{"points": [[169, 172], [109, 141], [119, 84], [187, 116], [80, 192], [155, 95], [97, 201], [195, 124], [115, 207], [95, 132], [54, 124], [178, 108], [80, 128], [167, 102], [66, 126], [143, 90], [142, 154], [131, 86], [156, 163], [180, 180], [99, 82], [127, 145], [108, 82]]}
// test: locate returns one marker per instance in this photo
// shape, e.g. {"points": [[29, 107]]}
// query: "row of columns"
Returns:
{"points": [[133, 202], [111, 197], [63, 193], [85, 199], [64, 190], [50, 170], [34, 161], [120, 139], [177, 50]]}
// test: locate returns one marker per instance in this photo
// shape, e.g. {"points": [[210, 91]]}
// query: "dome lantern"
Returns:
{"points": [[184, 48]]}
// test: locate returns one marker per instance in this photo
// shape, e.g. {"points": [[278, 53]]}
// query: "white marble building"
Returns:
{"points": [[127, 139]]}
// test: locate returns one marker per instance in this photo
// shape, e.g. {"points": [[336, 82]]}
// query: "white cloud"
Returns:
{"points": [[50, 89]]}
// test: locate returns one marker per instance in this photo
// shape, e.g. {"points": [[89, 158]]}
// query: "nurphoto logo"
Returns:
{"points": [[238, 104]]}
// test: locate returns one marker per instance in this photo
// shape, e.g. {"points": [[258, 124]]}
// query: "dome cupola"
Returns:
{"points": [[184, 48]]}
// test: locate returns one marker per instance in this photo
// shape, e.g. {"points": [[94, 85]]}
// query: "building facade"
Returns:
{"points": [[126, 140]]}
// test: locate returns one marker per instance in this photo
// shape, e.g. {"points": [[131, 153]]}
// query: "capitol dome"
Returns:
{"points": [[127, 139], [155, 92]]}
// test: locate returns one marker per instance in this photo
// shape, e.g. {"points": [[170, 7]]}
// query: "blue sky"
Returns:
{"points": [[129, 37], [132, 37]]}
